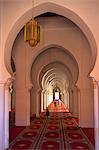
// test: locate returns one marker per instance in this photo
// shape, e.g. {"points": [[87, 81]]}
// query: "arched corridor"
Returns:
{"points": [[56, 67], [53, 68], [59, 73]]}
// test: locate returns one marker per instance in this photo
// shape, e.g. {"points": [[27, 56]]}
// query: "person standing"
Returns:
{"points": [[47, 111]]}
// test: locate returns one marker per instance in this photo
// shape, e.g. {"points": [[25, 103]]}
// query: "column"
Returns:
{"points": [[42, 101], [7, 102], [22, 115], [62, 96], [75, 102], [38, 103], [2, 116], [70, 100], [65, 98], [79, 106], [45, 100], [96, 113], [48, 98]]}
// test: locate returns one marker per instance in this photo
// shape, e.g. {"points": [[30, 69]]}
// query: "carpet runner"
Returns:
{"points": [[59, 131]]}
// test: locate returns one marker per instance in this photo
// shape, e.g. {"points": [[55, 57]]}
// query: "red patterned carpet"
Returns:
{"points": [[14, 131], [90, 134], [59, 131]]}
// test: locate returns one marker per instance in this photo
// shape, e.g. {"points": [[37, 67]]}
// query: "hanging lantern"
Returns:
{"points": [[32, 33], [32, 30]]}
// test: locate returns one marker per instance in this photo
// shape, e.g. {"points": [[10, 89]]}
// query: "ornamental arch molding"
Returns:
{"points": [[49, 74], [46, 63], [40, 9]]}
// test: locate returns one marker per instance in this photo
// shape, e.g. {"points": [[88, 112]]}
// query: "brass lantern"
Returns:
{"points": [[32, 32]]}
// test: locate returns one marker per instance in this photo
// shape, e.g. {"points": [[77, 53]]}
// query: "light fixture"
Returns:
{"points": [[32, 31]]}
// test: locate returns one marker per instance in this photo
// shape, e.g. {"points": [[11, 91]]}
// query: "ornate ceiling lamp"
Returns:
{"points": [[32, 31]]}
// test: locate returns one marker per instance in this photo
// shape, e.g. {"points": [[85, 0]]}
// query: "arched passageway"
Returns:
{"points": [[57, 61], [69, 78]]}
